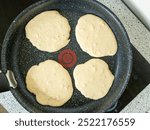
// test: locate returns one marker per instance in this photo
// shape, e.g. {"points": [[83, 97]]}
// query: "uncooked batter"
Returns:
{"points": [[50, 82], [48, 31], [93, 78], [95, 37]]}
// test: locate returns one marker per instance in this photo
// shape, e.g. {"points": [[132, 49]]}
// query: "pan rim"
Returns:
{"points": [[9, 33]]}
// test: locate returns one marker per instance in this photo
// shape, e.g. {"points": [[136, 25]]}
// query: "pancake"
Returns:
{"points": [[48, 31], [95, 37], [50, 83], [93, 79]]}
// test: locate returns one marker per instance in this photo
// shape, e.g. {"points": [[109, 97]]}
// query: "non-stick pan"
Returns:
{"points": [[18, 55]]}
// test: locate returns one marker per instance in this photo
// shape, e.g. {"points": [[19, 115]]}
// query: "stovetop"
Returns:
{"points": [[9, 9], [138, 81]]}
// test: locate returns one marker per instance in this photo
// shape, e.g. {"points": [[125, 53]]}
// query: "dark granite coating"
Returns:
{"points": [[19, 55]]}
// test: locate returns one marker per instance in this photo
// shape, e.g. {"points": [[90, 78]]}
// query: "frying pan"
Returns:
{"points": [[18, 56]]}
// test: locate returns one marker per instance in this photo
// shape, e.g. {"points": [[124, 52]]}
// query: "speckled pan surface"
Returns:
{"points": [[22, 55]]}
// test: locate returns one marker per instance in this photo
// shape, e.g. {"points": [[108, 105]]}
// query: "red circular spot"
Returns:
{"points": [[67, 58]]}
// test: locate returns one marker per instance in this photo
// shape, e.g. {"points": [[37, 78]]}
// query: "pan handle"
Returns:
{"points": [[7, 81], [4, 84]]}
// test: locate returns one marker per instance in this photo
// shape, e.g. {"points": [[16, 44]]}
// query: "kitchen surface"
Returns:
{"points": [[136, 97]]}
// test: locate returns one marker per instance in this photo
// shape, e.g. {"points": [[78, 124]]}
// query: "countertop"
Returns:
{"points": [[140, 38]]}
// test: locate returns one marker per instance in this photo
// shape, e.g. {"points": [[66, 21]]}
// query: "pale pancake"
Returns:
{"points": [[50, 82], [48, 31], [95, 37], [93, 78]]}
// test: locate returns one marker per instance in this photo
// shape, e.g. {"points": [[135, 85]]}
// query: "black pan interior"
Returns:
{"points": [[19, 55]]}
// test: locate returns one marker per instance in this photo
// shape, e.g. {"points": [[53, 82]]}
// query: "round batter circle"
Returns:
{"points": [[50, 83], [95, 36], [93, 78], [48, 31]]}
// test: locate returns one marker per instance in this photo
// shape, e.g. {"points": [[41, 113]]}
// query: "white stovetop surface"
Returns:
{"points": [[141, 8], [139, 37]]}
